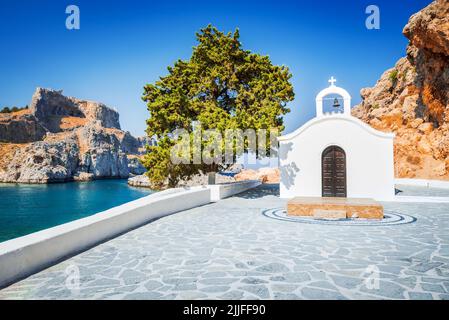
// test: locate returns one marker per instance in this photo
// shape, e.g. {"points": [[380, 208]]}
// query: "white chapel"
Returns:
{"points": [[336, 155]]}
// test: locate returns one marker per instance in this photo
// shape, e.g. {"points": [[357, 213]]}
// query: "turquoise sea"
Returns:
{"points": [[28, 208]]}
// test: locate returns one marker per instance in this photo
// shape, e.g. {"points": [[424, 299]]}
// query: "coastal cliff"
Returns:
{"points": [[61, 138], [412, 99]]}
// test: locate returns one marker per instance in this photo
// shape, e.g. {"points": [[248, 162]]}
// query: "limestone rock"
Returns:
{"points": [[266, 175], [42, 162], [64, 138], [103, 156], [51, 106], [139, 181], [429, 28], [129, 144], [426, 128], [106, 117], [412, 99], [247, 174], [20, 127], [424, 146], [440, 169], [135, 166], [83, 176]]}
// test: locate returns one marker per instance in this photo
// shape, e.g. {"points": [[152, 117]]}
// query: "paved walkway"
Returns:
{"points": [[230, 250]]}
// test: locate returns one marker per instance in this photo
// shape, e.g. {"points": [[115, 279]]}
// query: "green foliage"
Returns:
{"points": [[393, 76], [222, 86]]}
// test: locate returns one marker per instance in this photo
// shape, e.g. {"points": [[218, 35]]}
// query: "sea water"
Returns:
{"points": [[29, 208]]}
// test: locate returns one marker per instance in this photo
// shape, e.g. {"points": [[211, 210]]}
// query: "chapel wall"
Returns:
{"points": [[369, 159]]}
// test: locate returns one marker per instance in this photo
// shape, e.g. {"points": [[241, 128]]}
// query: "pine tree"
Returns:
{"points": [[222, 86]]}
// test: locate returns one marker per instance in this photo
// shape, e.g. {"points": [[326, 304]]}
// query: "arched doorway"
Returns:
{"points": [[333, 172]]}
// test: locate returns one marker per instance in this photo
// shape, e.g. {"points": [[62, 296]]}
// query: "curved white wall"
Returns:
{"points": [[369, 158], [221, 191]]}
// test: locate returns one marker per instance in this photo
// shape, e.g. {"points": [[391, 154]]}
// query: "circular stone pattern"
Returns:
{"points": [[390, 218]]}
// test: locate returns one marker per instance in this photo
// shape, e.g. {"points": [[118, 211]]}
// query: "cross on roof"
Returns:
{"points": [[332, 81]]}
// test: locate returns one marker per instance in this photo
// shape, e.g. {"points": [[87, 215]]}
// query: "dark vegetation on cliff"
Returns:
{"points": [[12, 109]]}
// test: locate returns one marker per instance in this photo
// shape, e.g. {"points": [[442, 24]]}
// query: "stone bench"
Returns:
{"points": [[335, 208]]}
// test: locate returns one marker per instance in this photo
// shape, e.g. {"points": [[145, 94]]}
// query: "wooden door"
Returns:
{"points": [[333, 172]]}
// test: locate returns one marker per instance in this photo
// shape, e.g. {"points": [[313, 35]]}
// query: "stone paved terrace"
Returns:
{"points": [[230, 250]]}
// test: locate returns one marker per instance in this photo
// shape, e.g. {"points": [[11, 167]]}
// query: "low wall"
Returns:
{"points": [[32, 253], [26, 255], [221, 191], [421, 199], [423, 183]]}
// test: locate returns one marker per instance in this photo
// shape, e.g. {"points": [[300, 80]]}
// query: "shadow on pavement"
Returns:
{"points": [[269, 189]]}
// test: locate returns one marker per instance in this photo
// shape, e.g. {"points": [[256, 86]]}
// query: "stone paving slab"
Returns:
{"points": [[229, 250]]}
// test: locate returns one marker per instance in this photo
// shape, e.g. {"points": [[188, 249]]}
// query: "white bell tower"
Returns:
{"points": [[333, 89]]}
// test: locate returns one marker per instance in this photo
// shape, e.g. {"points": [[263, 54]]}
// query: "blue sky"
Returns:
{"points": [[124, 44]]}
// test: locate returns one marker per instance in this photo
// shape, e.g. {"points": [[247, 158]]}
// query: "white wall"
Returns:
{"points": [[221, 191], [369, 158]]}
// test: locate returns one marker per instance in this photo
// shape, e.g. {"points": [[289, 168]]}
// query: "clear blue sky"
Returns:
{"points": [[124, 44]]}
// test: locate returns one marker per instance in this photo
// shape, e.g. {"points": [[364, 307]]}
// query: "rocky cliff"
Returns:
{"points": [[266, 175], [412, 99], [60, 138], [50, 107]]}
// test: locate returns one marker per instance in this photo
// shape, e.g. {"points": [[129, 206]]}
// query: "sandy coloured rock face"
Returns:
{"points": [[266, 175], [412, 99]]}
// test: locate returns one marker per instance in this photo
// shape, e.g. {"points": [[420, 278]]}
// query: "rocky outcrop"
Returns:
{"points": [[266, 175], [85, 154], [141, 181], [51, 106], [20, 127], [429, 28], [42, 162], [412, 99], [129, 144], [102, 156], [62, 139], [135, 166]]}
